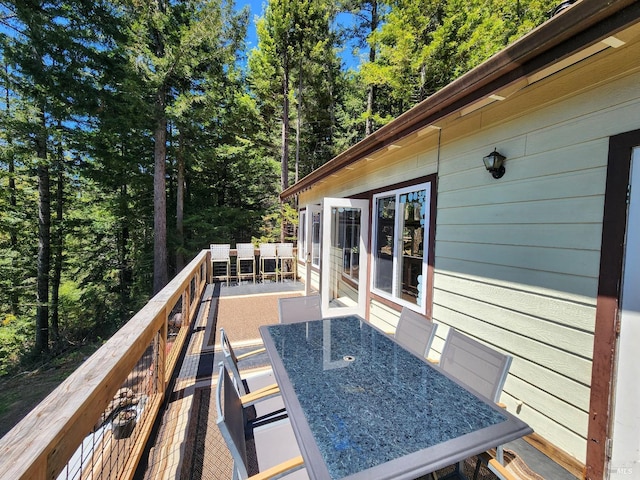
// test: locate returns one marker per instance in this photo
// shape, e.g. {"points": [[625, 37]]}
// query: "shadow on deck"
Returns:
{"points": [[187, 443]]}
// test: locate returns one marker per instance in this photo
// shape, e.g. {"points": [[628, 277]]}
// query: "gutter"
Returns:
{"points": [[579, 26]]}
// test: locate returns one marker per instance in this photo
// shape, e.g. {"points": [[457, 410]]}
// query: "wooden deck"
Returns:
{"points": [[187, 443]]}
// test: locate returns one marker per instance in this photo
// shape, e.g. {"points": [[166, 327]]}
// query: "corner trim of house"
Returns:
{"points": [[614, 226]]}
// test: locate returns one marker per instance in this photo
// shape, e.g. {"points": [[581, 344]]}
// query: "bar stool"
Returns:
{"points": [[285, 255], [247, 257], [220, 254], [268, 257]]}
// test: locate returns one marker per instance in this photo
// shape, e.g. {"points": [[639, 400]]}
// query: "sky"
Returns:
{"points": [[256, 11], [257, 7]]}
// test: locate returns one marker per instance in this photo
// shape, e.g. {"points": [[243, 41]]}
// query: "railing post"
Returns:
{"points": [[186, 306], [162, 354]]}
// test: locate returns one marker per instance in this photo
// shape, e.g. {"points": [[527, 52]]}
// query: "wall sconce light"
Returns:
{"points": [[494, 163]]}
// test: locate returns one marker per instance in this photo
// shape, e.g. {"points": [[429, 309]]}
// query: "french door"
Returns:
{"points": [[345, 239]]}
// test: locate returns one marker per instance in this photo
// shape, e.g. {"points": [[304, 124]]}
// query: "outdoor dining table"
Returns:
{"points": [[363, 407]]}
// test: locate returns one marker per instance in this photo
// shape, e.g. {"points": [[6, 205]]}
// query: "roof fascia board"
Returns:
{"points": [[581, 25]]}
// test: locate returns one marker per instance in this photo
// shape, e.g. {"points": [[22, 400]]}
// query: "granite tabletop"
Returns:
{"points": [[363, 407]]}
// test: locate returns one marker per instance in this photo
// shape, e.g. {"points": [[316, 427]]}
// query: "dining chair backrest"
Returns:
{"points": [[477, 365], [414, 332], [268, 261], [285, 250], [267, 250], [299, 309], [220, 252], [245, 251], [231, 422], [231, 362], [287, 260], [274, 451]]}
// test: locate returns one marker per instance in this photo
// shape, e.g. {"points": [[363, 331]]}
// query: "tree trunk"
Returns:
{"points": [[13, 202], [284, 179], [371, 94], [160, 275], [180, 204], [126, 274], [299, 120], [57, 249], [13, 296], [44, 239]]}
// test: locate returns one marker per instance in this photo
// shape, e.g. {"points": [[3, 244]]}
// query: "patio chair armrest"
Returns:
{"points": [[277, 471], [499, 470], [267, 390], [252, 352], [260, 394]]}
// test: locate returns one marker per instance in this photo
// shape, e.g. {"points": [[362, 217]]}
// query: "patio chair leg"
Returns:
{"points": [[460, 470], [477, 470]]}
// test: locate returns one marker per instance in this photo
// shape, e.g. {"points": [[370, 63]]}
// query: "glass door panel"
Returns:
{"points": [[314, 228], [344, 255]]}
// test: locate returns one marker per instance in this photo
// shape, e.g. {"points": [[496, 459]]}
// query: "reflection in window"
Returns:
{"points": [[401, 226], [385, 225], [344, 256], [302, 235], [349, 238], [315, 239]]}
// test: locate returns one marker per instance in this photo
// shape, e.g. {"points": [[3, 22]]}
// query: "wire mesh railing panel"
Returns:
{"points": [[67, 436], [175, 323], [105, 451]]}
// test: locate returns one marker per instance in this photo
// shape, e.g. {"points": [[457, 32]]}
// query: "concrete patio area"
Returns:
{"points": [[187, 443]]}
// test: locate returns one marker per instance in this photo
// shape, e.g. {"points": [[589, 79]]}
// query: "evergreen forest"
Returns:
{"points": [[134, 133]]}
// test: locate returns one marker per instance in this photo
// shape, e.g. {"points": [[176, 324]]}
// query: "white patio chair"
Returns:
{"points": [[414, 332], [478, 366], [496, 467], [231, 361], [273, 442], [268, 257], [247, 258], [299, 309], [287, 260], [220, 254]]}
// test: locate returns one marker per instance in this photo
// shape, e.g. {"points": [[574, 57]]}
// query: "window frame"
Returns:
{"points": [[306, 244], [315, 259], [302, 234], [427, 184]]}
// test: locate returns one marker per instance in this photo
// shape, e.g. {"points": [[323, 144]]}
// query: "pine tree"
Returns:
{"points": [[52, 50]]}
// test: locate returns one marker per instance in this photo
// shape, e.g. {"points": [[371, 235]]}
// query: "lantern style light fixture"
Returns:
{"points": [[494, 162]]}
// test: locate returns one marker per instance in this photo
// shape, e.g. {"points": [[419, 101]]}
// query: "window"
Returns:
{"points": [[401, 237], [309, 234], [348, 239]]}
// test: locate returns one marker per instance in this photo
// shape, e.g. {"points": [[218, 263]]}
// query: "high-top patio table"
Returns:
{"points": [[362, 407]]}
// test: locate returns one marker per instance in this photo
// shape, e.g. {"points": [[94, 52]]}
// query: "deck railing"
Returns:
{"points": [[96, 423]]}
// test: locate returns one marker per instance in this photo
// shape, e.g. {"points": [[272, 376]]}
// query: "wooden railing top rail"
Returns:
{"points": [[44, 441]]}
